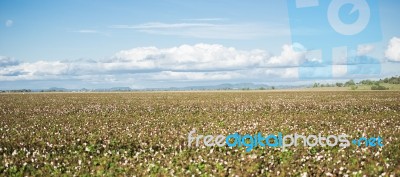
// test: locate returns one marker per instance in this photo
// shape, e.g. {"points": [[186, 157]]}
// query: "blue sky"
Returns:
{"points": [[165, 43]]}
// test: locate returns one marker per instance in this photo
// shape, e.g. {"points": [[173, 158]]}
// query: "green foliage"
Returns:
{"points": [[353, 87], [369, 82], [379, 87], [349, 83], [392, 80]]}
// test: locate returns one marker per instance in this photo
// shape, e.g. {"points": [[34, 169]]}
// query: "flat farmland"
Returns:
{"points": [[146, 133]]}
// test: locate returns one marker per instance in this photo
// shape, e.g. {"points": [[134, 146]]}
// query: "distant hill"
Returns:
{"points": [[120, 89], [238, 86], [392, 83], [56, 89], [227, 86]]}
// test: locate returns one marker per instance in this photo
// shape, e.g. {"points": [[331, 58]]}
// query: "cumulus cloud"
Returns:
{"points": [[209, 57], [185, 62], [7, 61], [196, 57], [393, 50], [291, 55], [39, 70]]}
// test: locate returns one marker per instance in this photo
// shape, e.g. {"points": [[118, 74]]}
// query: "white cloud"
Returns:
{"points": [[90, 31], [199, 29], [9, 23], [196, 57], [7, 61], [209, 57], [393, 49], [44, 68], [364, 49], [31, 71], [290, 56], [183, 63], [199, 63], [195, 76]]}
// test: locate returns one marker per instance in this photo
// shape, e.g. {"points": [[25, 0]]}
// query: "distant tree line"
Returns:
{"points": [[392, 80], [375, 85], [17, 91]]}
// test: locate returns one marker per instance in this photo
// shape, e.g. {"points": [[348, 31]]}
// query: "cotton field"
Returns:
{"points": [[146, 133]]}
